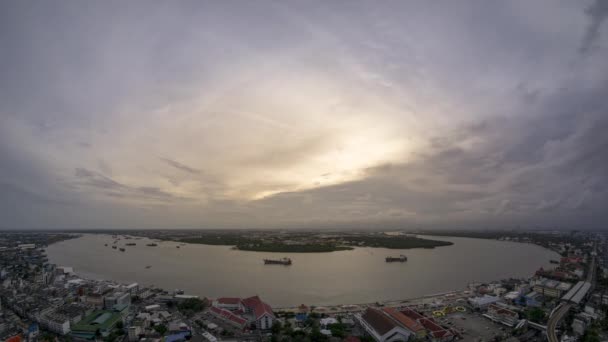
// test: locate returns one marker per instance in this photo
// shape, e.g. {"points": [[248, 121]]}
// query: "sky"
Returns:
{"points": [[303, 114]]}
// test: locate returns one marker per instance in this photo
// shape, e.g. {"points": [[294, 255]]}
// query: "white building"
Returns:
{"points": [[58, 325], [483, 302], [229, 303]]}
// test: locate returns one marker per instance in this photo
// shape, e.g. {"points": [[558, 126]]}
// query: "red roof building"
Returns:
{"points": [[262, 312], [229, 317]]}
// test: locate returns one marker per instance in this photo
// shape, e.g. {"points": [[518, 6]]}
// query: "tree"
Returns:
{"points": [[337, 330], [191, 306], [161, 329], [536, 315], [276, 327], [316, 336]]}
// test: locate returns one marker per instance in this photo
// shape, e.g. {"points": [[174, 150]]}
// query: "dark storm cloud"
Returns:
{"points": [[597, 12]]}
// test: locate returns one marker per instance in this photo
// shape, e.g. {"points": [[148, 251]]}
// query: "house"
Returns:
{"points": [[381, 327], [262, 315]]}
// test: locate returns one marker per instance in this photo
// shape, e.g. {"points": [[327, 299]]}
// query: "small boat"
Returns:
{"points": [[148, 266], [106, 245], [130, 244], [121, 249], [152, 245], [554, 261], [176, 246], [114, 247], [401, 258], [284, 261]]}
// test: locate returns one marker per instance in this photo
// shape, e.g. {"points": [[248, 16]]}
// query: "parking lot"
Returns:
{"points": [[473, 326]]}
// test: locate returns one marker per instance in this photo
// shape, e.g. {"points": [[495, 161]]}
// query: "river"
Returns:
{"points": [[345, 277]]}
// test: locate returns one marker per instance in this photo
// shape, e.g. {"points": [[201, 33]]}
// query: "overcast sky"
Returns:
{"points": [[254, 114]]}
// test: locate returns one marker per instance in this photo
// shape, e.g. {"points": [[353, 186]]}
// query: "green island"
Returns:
{"points": [[312, 243]]}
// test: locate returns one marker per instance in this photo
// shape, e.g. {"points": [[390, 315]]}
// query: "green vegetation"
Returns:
{"points": [[302, 243], [337, 330], [282, 248], [191, 306], [256, 245], [394, 242], [536, 315], [161, 329], [591, 334]]}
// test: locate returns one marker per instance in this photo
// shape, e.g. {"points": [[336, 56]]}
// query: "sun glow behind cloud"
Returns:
{"points": [[197, 114]]}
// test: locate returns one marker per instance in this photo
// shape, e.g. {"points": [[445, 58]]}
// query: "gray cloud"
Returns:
{"points": [[367, 115], [597, 12], [109, 187], [180, 166]]}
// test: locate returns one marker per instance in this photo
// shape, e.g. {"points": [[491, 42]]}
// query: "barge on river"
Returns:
{"points": [[401, 258], [284, 261]]}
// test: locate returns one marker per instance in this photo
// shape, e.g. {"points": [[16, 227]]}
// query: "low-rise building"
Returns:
{"points": [[483, 301], [229, 303], [116, 299], [550, 288], [58, 325], [102, 320], [502, 315]]}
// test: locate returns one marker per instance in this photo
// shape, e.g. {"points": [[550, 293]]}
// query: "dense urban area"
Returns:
{"points": [[40, 301]]}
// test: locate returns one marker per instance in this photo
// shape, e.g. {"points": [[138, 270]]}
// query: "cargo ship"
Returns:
{"points": [[284, 261], [401, 258]]}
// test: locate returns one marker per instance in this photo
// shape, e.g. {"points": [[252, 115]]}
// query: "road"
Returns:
{"points": [[559, 314]]}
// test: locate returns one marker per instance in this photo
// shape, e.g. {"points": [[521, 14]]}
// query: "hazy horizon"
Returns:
{"points": [[410, 115]]}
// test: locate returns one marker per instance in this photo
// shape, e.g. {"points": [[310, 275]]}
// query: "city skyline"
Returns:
{"points": [[280, 115]]}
